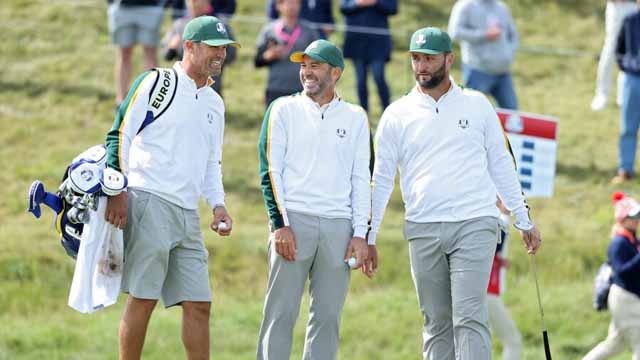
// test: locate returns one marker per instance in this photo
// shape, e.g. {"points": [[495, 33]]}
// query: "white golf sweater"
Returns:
{"points": [[452, 156], [315, 160], [178, 156]]}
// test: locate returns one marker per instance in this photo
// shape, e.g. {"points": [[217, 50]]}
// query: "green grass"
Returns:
{"points": [[56, 99]]}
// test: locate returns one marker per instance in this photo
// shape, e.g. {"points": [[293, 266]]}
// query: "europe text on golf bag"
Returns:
{"points": [[85, 182], [601, 286]]}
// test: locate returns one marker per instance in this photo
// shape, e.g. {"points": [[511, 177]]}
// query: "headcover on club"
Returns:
{"points": [[38, 195]]}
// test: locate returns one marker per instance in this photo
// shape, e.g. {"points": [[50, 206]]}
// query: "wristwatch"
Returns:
{"points": [[523, 225]]}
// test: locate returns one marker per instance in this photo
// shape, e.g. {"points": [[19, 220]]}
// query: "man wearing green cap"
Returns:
{"points": [[167, 138], [314, 166], [449, 143]]}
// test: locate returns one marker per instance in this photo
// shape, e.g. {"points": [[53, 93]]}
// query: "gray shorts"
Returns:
{"points": [[130, 25], [164, 253]]}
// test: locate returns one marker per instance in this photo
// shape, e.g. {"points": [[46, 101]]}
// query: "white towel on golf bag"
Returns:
{"points": [[98, 272]]}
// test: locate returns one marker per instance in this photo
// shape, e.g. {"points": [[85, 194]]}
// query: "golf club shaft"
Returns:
{"points": [[547, 350], [545, 336]]}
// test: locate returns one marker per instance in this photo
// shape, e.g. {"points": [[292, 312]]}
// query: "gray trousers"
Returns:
{"points": [[450, 265], [321, 246]]}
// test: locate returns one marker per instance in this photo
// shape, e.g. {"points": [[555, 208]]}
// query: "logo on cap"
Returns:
{"points": [[221, 28], [420, 40]]}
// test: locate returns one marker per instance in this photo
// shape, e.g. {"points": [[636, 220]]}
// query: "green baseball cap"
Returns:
{"points": [[430, 40], [209, 30], [321, 50]]}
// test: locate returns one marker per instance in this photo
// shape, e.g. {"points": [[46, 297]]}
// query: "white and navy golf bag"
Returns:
{"points": [[85, 182]]}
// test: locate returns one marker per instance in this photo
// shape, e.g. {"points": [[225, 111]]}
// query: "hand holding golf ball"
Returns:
{"points": [[221, 223], [356, 253]]}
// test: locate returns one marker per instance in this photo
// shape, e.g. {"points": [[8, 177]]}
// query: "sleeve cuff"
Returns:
{"points": [[522, 215], [278, 221], [360, 231], [216, 199], [371, 239]]}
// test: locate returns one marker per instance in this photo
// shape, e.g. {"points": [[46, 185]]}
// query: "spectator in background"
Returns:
{"points": [[172, 41], [628, 57], [317, 12], [500, 319], [624, 295], [222, 9], [615, 13], [369, 49], [488, 42], [133, 22], [277, 41]]}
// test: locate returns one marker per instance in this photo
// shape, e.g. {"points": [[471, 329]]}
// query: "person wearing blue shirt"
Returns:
{"points": [[366, 48], [624, 295], [628, 58]]}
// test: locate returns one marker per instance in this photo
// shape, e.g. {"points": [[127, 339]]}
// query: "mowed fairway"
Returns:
{"points": [[56, 99]]}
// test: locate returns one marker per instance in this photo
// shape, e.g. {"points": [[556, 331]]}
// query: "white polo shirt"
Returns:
{"points": [[452, 156], [178, 156], [315, 160]]}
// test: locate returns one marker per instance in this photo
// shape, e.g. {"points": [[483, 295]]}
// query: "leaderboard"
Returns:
{"points": [[533, 140]]}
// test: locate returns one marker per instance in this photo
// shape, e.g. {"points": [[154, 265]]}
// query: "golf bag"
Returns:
{"points": [[85, 182], [601, 286]]}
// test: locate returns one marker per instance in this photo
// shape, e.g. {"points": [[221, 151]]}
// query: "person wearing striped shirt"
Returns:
{"points": [[171, 158], [452, 155], [314, 167]]}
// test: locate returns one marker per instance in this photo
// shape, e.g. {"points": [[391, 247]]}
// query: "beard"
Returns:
{"points": [[436, 78], [213, 69], [316, 88]]}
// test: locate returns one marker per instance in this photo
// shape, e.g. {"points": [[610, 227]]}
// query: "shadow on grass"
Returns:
{"points": [[34, 89], [587, 172]]}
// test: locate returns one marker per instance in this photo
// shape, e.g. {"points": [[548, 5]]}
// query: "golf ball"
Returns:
{"points": [[352, 262], [223, 226]]}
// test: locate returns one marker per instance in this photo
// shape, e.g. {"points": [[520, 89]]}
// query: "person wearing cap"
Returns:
{"points": [[452, 154], [488, 42], [171, 160], [624, 294], [314, 152]]}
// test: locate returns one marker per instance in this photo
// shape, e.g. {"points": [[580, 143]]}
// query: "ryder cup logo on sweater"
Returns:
{"points": [[210, 118], [341, 133], [221, 28], [463, 123]]}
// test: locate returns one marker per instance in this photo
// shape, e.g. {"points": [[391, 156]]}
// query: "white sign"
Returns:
{"points": [[533, 142]]}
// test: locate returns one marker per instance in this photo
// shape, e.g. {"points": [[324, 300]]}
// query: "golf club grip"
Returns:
{"points": [[547, 351]]}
